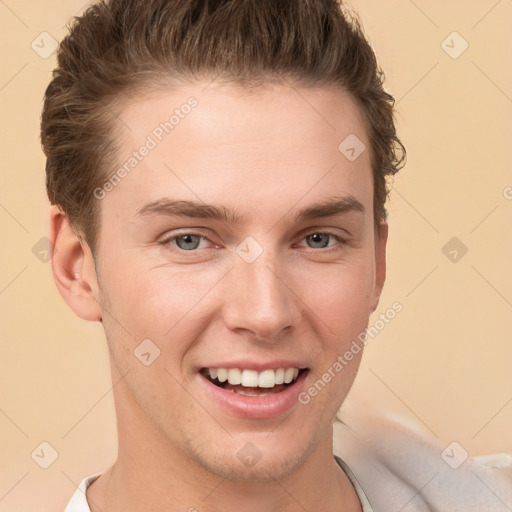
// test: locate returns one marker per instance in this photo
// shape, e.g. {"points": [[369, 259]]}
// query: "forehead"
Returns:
{"points": [[271, 109], [206, 140]]}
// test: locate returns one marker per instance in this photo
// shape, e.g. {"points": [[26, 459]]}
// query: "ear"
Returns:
{"points": [[381, 238], [73, 267]]}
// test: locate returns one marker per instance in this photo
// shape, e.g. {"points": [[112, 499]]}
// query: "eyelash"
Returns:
{"points": [[166, 241]]}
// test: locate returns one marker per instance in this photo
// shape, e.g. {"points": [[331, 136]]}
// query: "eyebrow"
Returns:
{"points": [[335, 206], [194, 209]]}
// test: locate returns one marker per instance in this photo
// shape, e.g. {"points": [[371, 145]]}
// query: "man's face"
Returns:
{"points": [[274, 283]]}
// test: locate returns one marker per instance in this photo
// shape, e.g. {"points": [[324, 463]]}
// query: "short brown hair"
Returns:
{"points": [[120, 46]]}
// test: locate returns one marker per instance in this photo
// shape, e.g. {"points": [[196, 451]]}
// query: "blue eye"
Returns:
{"points": [[187, 242], [190, 242], [321, 240], [318, 240]]}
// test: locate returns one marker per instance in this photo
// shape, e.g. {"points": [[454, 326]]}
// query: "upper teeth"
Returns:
{"points": [[252, 378]]}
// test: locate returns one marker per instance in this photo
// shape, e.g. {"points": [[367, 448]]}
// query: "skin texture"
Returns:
{"points": [[263, 155]]}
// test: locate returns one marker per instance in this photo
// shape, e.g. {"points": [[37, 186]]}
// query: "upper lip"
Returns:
{"points": [[258, 366]]}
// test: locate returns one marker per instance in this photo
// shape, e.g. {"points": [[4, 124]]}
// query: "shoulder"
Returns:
{"points": [[402, 467]]}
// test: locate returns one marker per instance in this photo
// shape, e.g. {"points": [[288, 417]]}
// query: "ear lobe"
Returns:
{"points": [[381, 239], [73, 267]]}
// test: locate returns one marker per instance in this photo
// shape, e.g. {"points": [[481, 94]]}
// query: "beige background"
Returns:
{"points": [[444, 361]]}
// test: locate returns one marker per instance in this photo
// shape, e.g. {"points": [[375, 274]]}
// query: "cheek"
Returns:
{"points": [[340, 296], [163, 304]]}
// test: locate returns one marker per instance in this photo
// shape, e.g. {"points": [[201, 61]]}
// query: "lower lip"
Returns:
{"points": [[256, 407]]}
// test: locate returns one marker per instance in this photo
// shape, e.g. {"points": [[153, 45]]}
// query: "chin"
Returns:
{"points": [[250, 464], [264, 470]]}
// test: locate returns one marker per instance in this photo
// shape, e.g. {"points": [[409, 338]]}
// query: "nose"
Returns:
{"points": [[259, 298]]}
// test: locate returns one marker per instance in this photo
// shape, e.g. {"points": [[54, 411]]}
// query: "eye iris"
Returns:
{"points": [[319, 240], [188, 242]]}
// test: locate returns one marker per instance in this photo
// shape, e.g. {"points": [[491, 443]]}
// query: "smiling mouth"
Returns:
{"points": [[251, 382]]}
